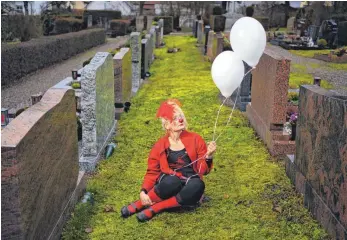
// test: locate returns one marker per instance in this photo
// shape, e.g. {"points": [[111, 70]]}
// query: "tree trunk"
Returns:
{"points": [[26, 7], [141, 7]]}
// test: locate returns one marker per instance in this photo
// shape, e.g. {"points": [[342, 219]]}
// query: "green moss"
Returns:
{"points": [[338, 66], [243, 186]]}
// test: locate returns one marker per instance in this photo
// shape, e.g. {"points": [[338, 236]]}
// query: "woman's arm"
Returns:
{"points": [[153, 171], [204, 164]]}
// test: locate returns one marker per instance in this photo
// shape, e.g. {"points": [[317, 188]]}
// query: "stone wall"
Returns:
{"points": [[318, 169], [39, 167], [97, 108], [122, 75], [268, 108]]}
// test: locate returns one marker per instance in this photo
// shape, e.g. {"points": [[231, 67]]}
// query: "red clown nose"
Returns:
{"points": [[181, 120]]}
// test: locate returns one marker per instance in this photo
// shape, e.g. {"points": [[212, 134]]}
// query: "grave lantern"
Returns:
{"points": [[74, 74], [316, 81], [4, 117]]}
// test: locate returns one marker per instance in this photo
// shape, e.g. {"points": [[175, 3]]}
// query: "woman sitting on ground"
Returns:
{"points": [[173, 177]]}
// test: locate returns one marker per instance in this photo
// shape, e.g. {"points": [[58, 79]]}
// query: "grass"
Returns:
{"points": [[299, 76], [309, 53], [338, 66], [245, 185]]}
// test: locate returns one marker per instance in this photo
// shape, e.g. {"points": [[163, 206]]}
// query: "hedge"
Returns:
{"points": [[19, 26], [23, 58], [102, 13], [168, 23], [119, 27], [67, 24]]}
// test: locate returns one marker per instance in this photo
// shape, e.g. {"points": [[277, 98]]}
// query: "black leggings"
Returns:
{"points": [[186, 194]]}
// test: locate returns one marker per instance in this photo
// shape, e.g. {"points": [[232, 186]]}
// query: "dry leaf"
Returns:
{"points": [[88, 230], [108, 208]]}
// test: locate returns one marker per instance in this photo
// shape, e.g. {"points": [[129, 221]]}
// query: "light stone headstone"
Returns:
{"points": [[200, 32], [97, 108], [100, 22], [290, 24], [149, 22], [149, 38], [157, 37], [140, 23], [161, 25], [153, 36], [90, 21], [144, 57], [135, 44]]}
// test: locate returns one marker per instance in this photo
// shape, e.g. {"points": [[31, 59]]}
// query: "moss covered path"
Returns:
{"points": [[251, 196]]}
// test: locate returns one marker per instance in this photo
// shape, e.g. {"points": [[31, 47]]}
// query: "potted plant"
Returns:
{"points": [[293, 120]]}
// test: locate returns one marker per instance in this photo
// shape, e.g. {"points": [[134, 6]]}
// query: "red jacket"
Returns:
{"points": [[157, 160]]}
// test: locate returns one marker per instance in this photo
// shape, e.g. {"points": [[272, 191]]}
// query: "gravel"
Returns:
{"points": [[18, 94], [338, 78]]}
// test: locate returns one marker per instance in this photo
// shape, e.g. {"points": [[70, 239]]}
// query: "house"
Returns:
{"points": [[126, 8], [149, 8], [14, 7]]}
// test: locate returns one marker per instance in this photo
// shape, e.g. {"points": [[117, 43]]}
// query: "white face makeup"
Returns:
{"points": [[178, 123]]}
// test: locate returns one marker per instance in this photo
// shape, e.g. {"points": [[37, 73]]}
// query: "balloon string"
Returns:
{"points": [[237, 95], [215, 124]]}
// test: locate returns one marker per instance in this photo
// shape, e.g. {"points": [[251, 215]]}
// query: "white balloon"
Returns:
{"points": [[248, 40], [227, 72]]}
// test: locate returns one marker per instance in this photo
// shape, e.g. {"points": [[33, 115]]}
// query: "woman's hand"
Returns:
{"points": [[211, 149], [145, 200]]}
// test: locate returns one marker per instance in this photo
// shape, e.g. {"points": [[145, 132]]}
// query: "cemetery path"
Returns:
{"points": [[317, 68], [18, 94], [251, 196]]}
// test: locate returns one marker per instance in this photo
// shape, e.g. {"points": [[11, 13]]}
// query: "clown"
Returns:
{"points": [[176, 166]]}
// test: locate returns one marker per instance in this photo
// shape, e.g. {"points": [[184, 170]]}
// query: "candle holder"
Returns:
{"points": [[317, 81], [4, 117], [74, 74]]}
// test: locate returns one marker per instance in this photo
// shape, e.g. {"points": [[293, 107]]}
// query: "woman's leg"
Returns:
{"points": [[189, 195], [167, 187], [192, 192]]}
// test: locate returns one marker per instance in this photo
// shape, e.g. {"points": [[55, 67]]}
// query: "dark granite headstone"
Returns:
{"points": [[144, 58], [319, 169], [219, 23], [196, 28], [245, 91]]}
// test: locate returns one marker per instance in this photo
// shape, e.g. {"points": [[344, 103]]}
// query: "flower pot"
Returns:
{"points": [[292, 138]]}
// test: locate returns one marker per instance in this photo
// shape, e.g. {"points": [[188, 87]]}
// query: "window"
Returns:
{"points": [[19, 8]]}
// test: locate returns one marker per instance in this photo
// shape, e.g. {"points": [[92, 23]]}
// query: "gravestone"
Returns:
{"points": [[196, 24], [90, 21], [157, 37], [149, 22], [267, 111], [122, 75], [153, 36], [218, 43], [106, 24], [200, 32], [39, 168], [100, 22], [149, 38], [291, 24], [245, 91], [135, 44], [161, 25], [206, 31], [313, 32], [209, 52], [97, 108], [217, 23], [144, 58], [230, 20], [318, 168], [140, 23]]}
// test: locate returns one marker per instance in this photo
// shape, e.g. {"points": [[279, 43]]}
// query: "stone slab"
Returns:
{"points": [[122, 75], [39, 152]]}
